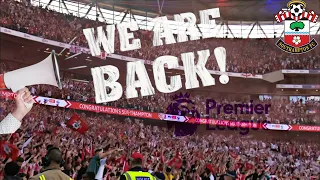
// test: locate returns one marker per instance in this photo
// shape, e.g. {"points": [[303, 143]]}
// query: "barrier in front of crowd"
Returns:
{"points": [[160, 116], [300, 71]]}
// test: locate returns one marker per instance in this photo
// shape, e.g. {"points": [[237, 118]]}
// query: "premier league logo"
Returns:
{"points": [[296, 20], [182, 105]]}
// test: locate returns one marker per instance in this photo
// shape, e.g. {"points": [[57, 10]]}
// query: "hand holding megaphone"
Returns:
{"points": [[44, 72], [24, 103]]}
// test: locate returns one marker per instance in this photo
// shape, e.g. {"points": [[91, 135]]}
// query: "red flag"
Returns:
{"points": [[176, 161], [77, 124], [210, 167], [9, 150]]}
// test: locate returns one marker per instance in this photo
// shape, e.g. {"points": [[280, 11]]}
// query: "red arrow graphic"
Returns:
{"points": [[290, 127], [68, 104], [265, 126], [186, 119], [35, 99]]}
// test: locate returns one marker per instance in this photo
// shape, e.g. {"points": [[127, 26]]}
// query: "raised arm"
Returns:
{"points": [[105, 154], [12, 122]]}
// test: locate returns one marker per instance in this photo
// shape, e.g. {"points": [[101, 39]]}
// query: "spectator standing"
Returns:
{"points": [[52, 163], [95, 162]]}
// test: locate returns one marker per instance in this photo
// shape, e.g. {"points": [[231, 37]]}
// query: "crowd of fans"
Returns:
{"points": [[254, 156], [256, 56], [204, 153]]}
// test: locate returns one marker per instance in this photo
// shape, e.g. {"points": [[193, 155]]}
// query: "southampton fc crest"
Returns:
{"points": [[296, 20], [76, 125]]}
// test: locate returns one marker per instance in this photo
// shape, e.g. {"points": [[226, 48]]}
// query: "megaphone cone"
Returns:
{"points": [[44, 72]]}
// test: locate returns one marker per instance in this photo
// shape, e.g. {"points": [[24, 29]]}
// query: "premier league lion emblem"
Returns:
{"points": [[296, 20], [183, 106]]}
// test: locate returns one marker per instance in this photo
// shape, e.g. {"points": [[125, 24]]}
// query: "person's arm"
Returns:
{"points": [[20, 139], [177, 177], [157, 166], [26, 162], [32, 169], [103, 155], [9, 124], [12, 122]]}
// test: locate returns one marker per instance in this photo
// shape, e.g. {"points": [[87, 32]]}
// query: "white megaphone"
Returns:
{"points": [[44, 72]]}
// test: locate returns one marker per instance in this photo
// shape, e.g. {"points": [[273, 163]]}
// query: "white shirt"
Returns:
{"points": [[274, 146], [99, 174], [9, 125], [211, 177]]}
